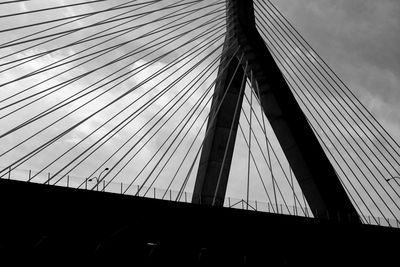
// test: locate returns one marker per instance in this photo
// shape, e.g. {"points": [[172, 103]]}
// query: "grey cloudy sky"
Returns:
{"points": [[357, 38], [360, 40], [74, 69]]}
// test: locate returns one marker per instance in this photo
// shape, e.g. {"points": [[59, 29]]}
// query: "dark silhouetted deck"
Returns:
{"points": [[47, 223]]}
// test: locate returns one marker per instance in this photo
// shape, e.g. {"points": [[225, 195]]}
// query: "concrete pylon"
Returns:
{"points": [[313, 170]]}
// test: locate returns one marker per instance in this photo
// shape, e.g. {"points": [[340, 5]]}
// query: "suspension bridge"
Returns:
{"points": [[190, 132]]}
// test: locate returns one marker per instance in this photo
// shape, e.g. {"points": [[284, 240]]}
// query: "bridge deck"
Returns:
{"points": [[50, 223]]}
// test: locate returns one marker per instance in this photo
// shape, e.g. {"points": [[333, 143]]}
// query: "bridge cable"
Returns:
{"points": [[79, 16], [257, 168], [360, 169], [270, 166], [64, 33], [154, 31], [237, 110], [68, 82], [268, 162], [249, 148], [350, 146], [339, 82], [351, 126], [109, 63], [131, 117], [312, 114], [135, 146], [49, 9], [120, 32], [161, 81], [211, 121]]}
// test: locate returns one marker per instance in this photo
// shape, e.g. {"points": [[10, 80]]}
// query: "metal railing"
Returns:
{"points": [[173, 195]]}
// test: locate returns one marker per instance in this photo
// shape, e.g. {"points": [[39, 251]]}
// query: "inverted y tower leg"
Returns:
{"points": [[313, 170], [315, 174], [215, 144]]}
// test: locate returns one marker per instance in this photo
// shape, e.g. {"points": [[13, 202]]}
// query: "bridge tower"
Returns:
{"points": [[314, 172]]}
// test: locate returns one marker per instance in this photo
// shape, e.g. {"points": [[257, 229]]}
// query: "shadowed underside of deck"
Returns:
{"points": [[47, 223]]}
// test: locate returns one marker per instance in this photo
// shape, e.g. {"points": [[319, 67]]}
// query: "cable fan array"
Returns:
{"points": [[109, 91], [123, 89], [364, 155]]}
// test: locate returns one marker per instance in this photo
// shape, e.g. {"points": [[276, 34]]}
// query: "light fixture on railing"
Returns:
{"points": [[98, 180]]}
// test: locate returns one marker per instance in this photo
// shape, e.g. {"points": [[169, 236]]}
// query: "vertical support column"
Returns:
{"points": [[215, 143], [314, 172]]}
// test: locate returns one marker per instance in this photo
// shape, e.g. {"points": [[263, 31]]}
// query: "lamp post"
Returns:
{"points": [[98, 180]]}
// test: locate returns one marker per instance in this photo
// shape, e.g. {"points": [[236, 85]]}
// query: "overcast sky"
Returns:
{"points": [[357, 38], [72, 69], [360, 40]]}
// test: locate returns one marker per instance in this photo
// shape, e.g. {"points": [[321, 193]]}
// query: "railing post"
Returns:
{"points": [[9, 173], [67, 180], [121, 188], [154, 189], [29, 175]]}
